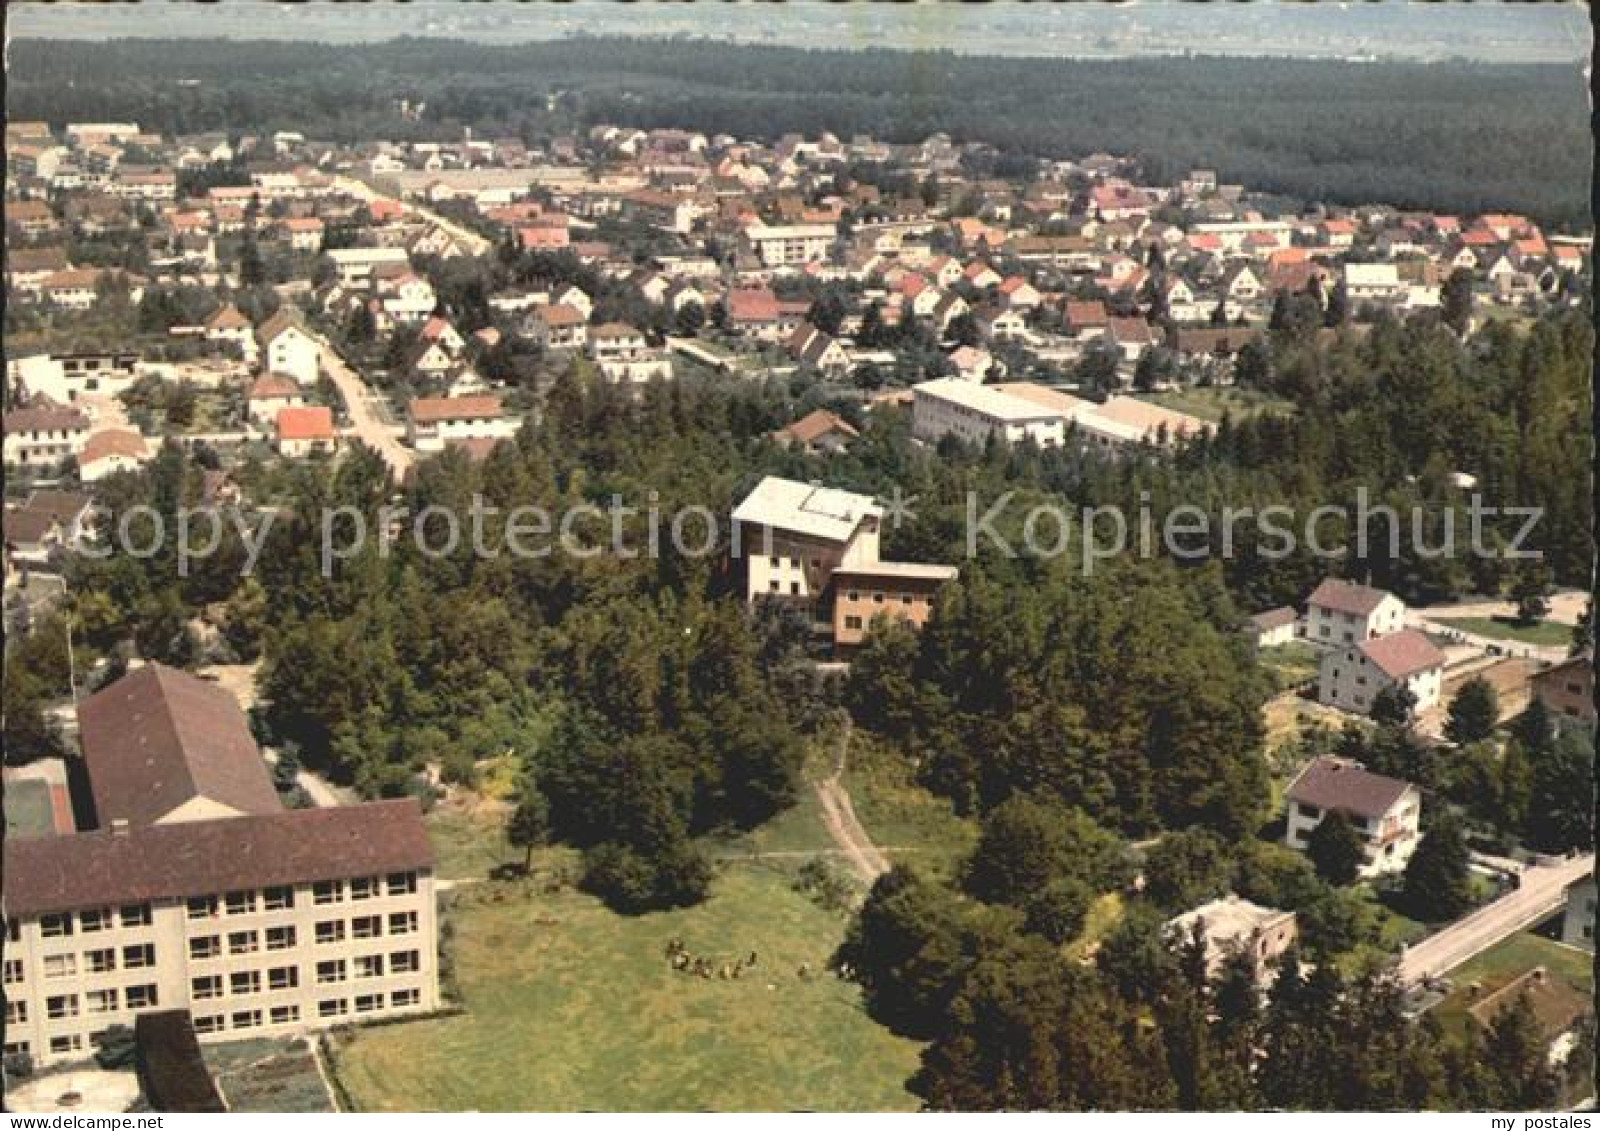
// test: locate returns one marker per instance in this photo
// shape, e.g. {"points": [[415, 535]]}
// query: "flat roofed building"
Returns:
{"points": [[818, 547], [949, 406], [897, 590], [199, 891]]}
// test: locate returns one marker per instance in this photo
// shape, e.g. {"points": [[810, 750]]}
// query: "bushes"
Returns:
{"points": [[633, 883]]}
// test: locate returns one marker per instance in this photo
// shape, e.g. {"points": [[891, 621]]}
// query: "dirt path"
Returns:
{"points": [[839, 817]]}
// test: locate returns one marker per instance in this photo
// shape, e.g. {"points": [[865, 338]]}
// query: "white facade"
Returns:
{"points": [[1349, 680], [256, 963], [1326, 624], [1577, 924], [791, 245]]}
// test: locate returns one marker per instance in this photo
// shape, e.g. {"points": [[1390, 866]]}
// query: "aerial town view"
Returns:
{"points": [[813, 557]]}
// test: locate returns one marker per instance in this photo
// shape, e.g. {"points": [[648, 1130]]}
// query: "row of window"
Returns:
{"points": [[241, 903], [86, 922], [290, 1014], [58, 1007], [282, 898]]}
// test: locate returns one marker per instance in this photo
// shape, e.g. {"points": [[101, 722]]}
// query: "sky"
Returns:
{"points": [[1488, 31]]}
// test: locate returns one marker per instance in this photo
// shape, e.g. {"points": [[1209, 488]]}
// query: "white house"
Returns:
{"points": [[1373, 282], [273, 391], [289, 348], [790, 245], [44, 436], [950, 406], [1350, 677], [1343, 612], [1383, 811], [1577, 924], [1273, 627]]}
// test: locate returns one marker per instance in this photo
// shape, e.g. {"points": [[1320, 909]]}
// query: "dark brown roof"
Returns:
{"points": [[158, 738], [64, 506], [1346, 597], [192, 858], [1348, 787]]}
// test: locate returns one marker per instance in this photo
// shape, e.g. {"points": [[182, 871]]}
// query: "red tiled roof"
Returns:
{"points": [[431, 410], [1346, 597], [305, 422]]}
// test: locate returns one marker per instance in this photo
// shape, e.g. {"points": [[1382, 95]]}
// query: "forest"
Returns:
{"points": [[1458, 136]]}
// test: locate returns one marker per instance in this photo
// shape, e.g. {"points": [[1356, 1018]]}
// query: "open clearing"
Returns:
{"points": [[568, 1006]]}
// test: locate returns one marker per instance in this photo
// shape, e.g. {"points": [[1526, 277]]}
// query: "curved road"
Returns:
{"points": [[365, 424], [1542, 891]]}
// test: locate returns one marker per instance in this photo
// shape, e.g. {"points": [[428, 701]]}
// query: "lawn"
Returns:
{"points": [[1211, 403], [571, 1007], [568, 1006], [1290, 665], [1547, 634]]}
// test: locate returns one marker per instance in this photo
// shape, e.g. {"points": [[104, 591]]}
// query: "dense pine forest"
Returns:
{"points": [[1456, 136]]}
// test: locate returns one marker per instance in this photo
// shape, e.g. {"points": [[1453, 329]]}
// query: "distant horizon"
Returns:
{"points": [[1391, 32]]}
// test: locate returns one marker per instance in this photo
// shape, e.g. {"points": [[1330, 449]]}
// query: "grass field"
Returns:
{"points": [[1291, 664], [1546, 634], [571, 1007], [568, 1006], [1211, 403]]}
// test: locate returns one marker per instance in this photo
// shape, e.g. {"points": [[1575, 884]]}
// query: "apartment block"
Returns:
{"points": [[196, 890]]}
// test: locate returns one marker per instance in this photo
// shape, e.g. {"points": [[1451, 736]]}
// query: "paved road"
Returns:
{"points": [[1541, 892], [365, 423], [474, 243], [1421, 619]]}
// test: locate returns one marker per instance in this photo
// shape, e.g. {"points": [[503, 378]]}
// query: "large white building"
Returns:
{"points": [[197, 890], [434, 422], [817, 547], [1384, 811], [287, 347]]}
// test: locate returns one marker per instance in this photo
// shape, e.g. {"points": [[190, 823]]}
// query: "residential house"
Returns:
{"points": [[288, 347], [231, 327], [111, 450], [1232, 926], [1351, 676], [1567, 691], [42, 435], [559, 327], [817, 432], [1274, 627], [271, 392], [1384, 811], [819, 351], [434, 422]]}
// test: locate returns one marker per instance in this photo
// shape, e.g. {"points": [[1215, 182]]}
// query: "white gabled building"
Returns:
{"points": [[1350, 677]]}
